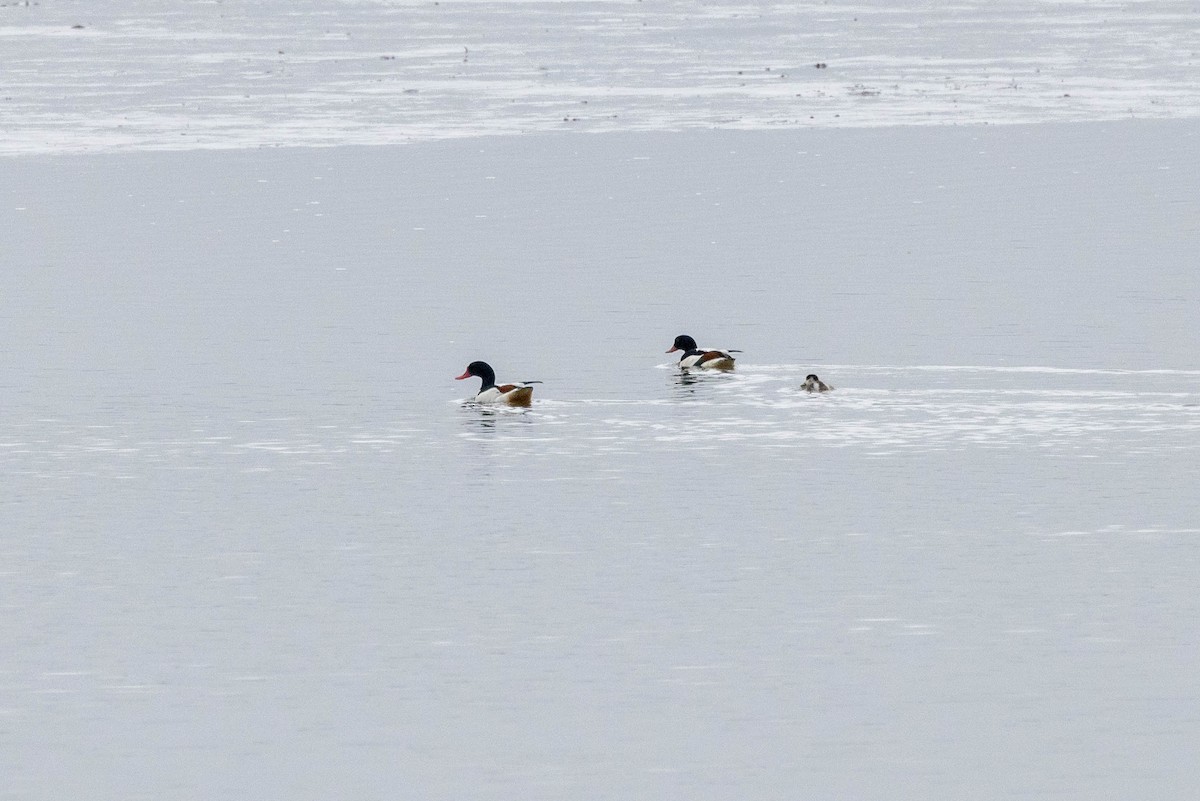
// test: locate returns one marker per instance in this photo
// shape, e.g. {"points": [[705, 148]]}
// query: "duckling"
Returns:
{"points": [[814, 384]]}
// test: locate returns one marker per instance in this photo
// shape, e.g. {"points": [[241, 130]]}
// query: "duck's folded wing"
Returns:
{"points": [[515, 395]]}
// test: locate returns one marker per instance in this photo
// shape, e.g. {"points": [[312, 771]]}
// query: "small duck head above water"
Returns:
{"points": [[481, 370], [684, 343], [814, 384]]}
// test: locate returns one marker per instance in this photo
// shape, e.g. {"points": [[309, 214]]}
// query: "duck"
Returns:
{"points": [[694, 356], [814, 384], [516, 394]]}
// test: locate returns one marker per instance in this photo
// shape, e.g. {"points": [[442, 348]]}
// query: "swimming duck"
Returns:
{"points": [[512, 394], [814, 384], [694, 356]]}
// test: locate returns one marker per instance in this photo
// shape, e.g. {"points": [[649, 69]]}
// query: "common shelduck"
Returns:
{"points": [[694, 356], [814, 384], [512, 394]]}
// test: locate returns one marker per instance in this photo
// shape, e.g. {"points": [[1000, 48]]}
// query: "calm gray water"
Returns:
{"points": [[253, 545]]}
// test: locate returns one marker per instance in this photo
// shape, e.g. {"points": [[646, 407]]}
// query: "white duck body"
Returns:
{"points": [[511, 394], [708, 359]]}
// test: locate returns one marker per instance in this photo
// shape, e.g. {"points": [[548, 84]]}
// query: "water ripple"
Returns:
{"points": [[875, 409]]}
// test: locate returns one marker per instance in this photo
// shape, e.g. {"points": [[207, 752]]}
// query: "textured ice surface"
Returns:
{"points": [[107, 75]]}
